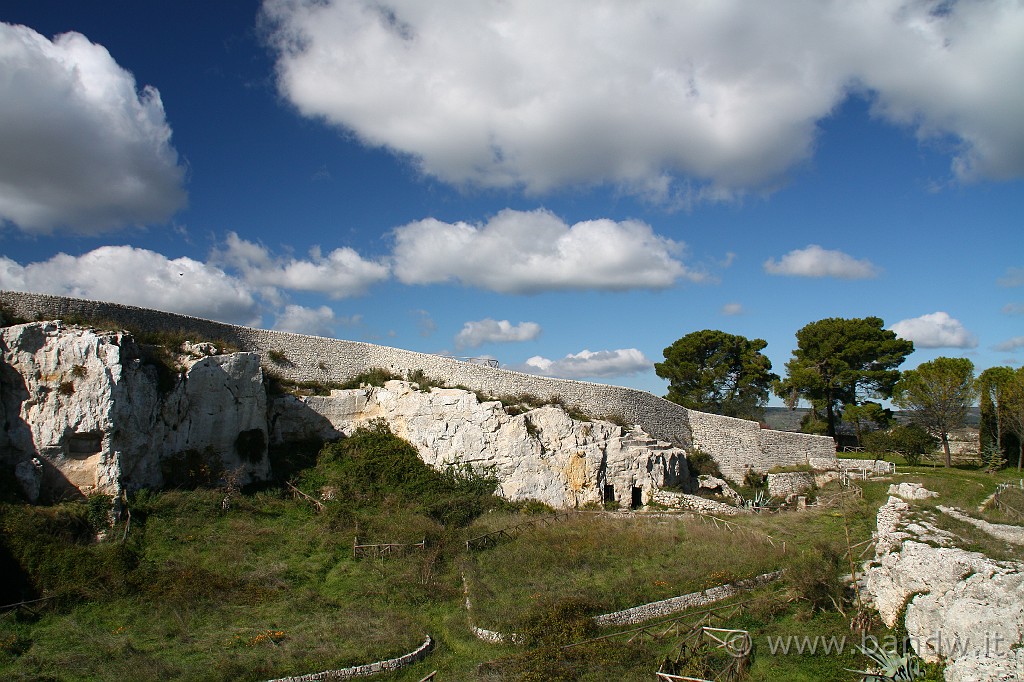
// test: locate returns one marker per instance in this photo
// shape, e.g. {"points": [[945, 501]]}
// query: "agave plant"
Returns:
{"points": [[891, 667]]}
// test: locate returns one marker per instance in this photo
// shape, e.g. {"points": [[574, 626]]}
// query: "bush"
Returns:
{"points": [[567, 620], [911, 441], [278, 357], [425, 383], [373, 464], [814, 577], [702, 464], [376, 376]]}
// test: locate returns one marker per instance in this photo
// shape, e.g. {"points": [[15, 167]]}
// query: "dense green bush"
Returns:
{"points": [[373, 464], [911, 441], [702, 464]]}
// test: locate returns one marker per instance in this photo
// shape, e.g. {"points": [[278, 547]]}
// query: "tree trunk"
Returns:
{"points": [[945, 449]]}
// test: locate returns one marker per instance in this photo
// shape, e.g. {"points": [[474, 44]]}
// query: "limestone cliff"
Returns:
{"points": [[82, 411], [542, 454], [86, 410]]}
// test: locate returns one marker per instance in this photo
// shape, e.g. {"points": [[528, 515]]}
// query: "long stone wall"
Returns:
{"points": [[390, 665], [736, 444]]}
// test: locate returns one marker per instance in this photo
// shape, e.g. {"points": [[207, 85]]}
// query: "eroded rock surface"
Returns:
{"points": [[964, 607], [542, 454], [911, 491], [95, 417]]}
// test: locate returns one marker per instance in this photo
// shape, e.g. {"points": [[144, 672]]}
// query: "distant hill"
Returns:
{"points": [[785, 419]]}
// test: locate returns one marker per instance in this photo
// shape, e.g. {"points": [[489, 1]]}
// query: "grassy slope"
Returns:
{"points": [[270, 587]]}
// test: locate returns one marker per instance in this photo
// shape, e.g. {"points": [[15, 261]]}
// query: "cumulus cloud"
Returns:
{"points": [[732, 309], [125, 274], [1011, 345], [663, 98], [815, 261], [523, 252], [1014, 277], [341, 273], [302, 320], [935, 330], [477, 333], [590, 364], [83, 149]]}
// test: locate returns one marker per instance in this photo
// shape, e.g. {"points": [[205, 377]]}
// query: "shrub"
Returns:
{"points": [[278, 357], [79, 371], [911, 441], [373, 464], [567, 620], [702, 464], [814, 577], [425, 383], [376, 376], [755, 480], [66, 388]]}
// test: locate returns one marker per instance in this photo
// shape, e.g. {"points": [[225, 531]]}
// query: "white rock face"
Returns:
{"points": [[542, 454], [911, 491], [90, 410], [964, 608]]}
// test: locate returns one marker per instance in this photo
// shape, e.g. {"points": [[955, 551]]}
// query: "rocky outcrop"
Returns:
{"points": [[542, 454], [961, 607], [911, 491], [82, 411], [1005, 532]]}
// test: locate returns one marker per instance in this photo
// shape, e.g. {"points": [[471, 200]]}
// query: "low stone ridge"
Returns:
{"points": [[736, 444], [390, 665], [1004, 531], [964, 608], [666, 607]]}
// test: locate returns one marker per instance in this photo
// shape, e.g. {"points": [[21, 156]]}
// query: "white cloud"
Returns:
{"points": [[341, 273], [589, 364], [1014, 277], [1014, 308], [424, 322], [935, 330], [815, 261], [1011, 345], [302, 320], [477, 333], [522, 252], [82, 148], [664, 98], [732, 309], [124, 274]]}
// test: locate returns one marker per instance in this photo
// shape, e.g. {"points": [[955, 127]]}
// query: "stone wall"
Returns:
{"points": [[735, 444], [390, 665]]}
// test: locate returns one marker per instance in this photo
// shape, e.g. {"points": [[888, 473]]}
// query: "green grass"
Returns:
{"points": [[270, 588]]}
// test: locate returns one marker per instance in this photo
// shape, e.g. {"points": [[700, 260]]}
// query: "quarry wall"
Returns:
{"points": [[736, 444]]}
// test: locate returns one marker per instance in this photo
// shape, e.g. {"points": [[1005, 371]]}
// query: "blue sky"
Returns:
{"points": [[565, 190]]}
